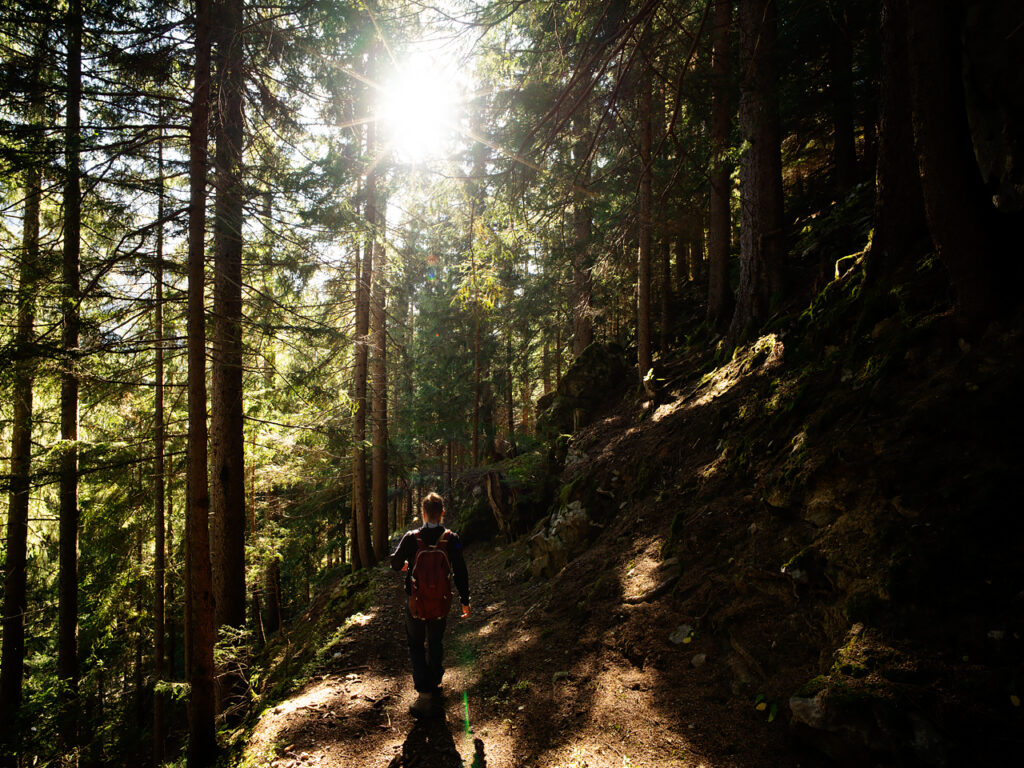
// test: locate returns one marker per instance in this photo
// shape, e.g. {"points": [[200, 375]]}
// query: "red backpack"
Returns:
{"points": [[431, 579]]}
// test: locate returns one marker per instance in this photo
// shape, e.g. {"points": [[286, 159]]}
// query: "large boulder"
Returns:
{"points": [[600, 372], [859, 714]]}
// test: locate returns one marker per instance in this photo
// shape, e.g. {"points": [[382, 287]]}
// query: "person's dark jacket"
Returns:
{"points": [[406, 553]]}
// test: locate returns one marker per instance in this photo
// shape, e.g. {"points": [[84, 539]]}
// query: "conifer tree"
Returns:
{"points": [[199, 605], [67, 634], [227, 491]]}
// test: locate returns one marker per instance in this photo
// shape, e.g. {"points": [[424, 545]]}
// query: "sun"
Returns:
{"points": [[420, 109]]}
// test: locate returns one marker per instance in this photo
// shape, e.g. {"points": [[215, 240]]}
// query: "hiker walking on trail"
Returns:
{"points": [[430, 556]]}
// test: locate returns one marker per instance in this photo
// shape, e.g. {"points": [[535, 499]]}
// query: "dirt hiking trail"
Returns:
{"points": [[552, 674]]}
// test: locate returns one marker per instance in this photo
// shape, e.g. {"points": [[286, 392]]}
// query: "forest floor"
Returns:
{"points": [[527, 684]]}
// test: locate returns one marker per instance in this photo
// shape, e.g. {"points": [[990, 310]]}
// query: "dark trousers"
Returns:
{"points": [[426, 649]]}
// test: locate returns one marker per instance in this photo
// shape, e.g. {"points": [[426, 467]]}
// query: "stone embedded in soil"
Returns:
{"points": [[681, 635], [809, 711], [699, 660]]}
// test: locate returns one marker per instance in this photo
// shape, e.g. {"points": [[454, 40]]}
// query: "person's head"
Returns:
{"points": [[432, 507]]}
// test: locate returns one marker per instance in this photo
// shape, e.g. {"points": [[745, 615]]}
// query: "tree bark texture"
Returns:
{"points": [[720, 300], [971, 236], [227, 487], [200, 631], [762, 239], [15, 604], [643, 307], [67, 621], [379, 406]]}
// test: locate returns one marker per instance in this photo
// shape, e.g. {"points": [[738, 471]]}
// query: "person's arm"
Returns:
{"points": [[402, 553], [459, 569]]}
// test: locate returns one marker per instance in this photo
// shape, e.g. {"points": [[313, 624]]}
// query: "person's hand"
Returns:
{"points": [[465, 611]]}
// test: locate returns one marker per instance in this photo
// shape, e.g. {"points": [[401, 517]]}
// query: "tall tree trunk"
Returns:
{"points": [[545, 362], [476, 369], [410, 510], [720, 304], [227, 489], [527, 391], [899, 206], [67, 630], [665, 295], [172, 635], [360, 502], [200, 632], [643, 262], [476, 195], [159, 551], [12, 662], [844, 147], [510, 392], [558, 353], [353, 522], [582, 225], [971, 236], [762, 241], [379, 415], [272, 577]]}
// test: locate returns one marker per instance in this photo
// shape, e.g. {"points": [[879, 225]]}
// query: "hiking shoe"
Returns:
{"points": [[423, 706]]}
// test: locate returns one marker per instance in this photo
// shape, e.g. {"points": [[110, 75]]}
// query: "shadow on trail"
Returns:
{"points": [[430, 745]]}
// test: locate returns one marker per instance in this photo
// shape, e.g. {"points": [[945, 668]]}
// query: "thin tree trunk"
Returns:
{"points": [[558, 354], [527, 391], [360, 501], [643, 306], [357, 360], [665, 296], [200, 632], [172, 638], [719, 294], [476, 193], [12, 662], [582, 225], [509, 394], [449, 463], [159, 552], [227, 489], [683, 246], [379, 415], [136, 701], [410, 511], [762, 239], [545, 363], [67, 630], [476, 370], [700, 258], [272, 579]]}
